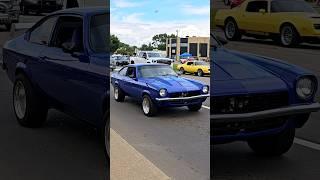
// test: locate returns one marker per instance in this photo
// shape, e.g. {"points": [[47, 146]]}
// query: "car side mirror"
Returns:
{"points": [[68, 47], [262, 11]]}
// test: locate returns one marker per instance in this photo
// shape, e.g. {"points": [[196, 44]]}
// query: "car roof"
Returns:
{"points": [[84, 11], [146, 64]]}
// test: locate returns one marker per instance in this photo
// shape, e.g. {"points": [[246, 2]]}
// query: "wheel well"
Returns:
{"points": [[229, 18], [290, 24], [20, 71]]}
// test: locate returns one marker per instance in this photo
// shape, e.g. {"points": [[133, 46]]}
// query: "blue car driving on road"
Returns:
{"points": [[258, 99], [62, 62], [156, 86]]}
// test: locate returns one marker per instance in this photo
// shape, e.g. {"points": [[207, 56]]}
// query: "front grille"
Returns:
{"points": [[184, 94], [248, 103], [250, 126], [316, 26]]}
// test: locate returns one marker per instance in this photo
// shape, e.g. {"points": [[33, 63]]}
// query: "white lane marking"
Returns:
{"points": [[306, 143], [206, 107]]}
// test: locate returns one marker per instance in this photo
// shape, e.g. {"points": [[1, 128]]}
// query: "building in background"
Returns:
{"points": [[196, 46]]}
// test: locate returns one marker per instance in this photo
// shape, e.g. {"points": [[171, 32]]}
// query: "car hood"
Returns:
{"points": [[234, 74], [172, 83]]}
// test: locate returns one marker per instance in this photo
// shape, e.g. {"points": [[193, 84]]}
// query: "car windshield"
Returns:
{"points": [[98, 33], [153, 54], [154, 71], [291, 6], [124, 58]]}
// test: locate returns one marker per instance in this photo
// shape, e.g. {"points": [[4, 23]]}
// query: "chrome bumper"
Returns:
{"points": [[183, 98], [291, 110]]}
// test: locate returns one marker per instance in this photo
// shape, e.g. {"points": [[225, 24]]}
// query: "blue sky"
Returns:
{"points": [[136, 21]]}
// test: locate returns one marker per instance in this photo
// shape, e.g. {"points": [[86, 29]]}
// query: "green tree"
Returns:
{"points": [[159, 40], [146, 47], [115, 43]]}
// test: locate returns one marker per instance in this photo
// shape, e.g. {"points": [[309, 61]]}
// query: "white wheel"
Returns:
{"points": [[20, 100], [146, 105]]}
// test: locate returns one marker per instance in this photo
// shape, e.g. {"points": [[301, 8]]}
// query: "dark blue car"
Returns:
{"points": [[258, 99], [62, 62], [157, 86]]}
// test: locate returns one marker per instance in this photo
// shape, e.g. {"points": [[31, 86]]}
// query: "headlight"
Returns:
{"points": [[305, 87], [163, 92], [205, 89]]}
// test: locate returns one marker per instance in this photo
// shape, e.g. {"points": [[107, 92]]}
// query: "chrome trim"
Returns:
{"points": [[183, 98], [291, 110]]}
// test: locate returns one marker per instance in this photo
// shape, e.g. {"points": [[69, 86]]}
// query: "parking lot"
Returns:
{"points": [[236, 161], [176, 140], [63, 149]]}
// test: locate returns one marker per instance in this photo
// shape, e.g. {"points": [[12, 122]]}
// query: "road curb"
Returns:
{"points": [[128, 163]]}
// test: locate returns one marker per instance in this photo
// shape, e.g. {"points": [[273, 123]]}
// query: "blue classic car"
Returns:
{"points": [[156, 86], [62, 62], [258, 99]]}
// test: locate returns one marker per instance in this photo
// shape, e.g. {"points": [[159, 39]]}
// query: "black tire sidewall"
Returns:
{"points": [[295, 38], [237, 34], [200, 73]]}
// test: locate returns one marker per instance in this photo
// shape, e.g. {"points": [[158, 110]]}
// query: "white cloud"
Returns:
{"points": [[125, 4], [134, 31], [194, 10]]}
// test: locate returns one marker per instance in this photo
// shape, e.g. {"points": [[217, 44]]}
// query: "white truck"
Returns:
{"points": [[150, 57]]}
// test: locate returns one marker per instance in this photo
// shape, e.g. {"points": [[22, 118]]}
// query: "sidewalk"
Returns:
{"points": [[128, 163]]}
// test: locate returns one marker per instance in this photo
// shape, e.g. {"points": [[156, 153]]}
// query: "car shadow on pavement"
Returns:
{"points": [[237, 161], [272, 43]]}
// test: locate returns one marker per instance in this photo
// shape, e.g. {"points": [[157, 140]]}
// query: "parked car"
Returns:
{"points": [[157, 86], [120, 60], [199, 68], [259, 100], [62, 63], [40, 6], [9, 13], [288, 22], [150, 57]]}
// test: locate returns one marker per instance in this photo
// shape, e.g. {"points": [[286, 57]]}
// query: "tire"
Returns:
{"points": [[231, 30], [200, 73], [226, 2], [117, 63], [119, 95], [32, 109], [148, 107], [275, 145], [289, 37], [132, 62], [104, 139], [182, 70], [195, 107]]}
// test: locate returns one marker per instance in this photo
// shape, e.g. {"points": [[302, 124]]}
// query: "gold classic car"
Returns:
{"points": [[199, 68], [288, 22]]}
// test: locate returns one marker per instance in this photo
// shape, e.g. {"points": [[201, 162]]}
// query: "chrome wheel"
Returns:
{"points": [[230, 29], [287, 34], [20, 100], [146, 105], [116, 93]]}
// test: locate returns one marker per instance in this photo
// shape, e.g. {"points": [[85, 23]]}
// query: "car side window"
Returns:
{"points": [[42, 33], [131, 73], [189, 63], [255, 6], [69, 31], [140, 54], [123, 71], [144, 55]]}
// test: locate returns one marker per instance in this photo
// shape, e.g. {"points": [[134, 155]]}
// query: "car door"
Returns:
{"points": [[37, 41], [68, 69], [255, 17], [131, 84], [189, 66]]}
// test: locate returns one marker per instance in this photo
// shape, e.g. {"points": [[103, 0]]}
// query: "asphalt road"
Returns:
{"points": [[236, 161], [176, 140], [63, 149]]}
